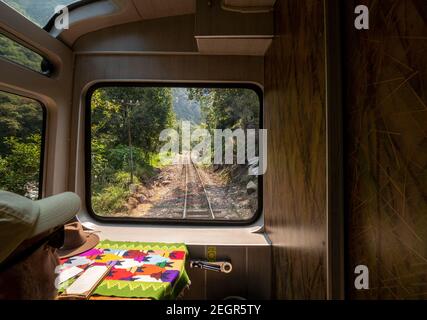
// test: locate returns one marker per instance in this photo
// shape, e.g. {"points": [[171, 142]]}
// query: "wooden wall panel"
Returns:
{"points": [[295, 182], [250, 277], [153, 9], [387, 149], [212, 20]]}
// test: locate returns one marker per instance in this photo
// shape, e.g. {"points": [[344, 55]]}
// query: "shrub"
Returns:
{"points": [[21, 166], [111, 200]]}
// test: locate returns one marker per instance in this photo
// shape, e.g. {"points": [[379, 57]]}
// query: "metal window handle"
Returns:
{"points": [[218, 266]]}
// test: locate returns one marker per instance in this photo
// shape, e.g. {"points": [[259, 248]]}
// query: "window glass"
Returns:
{"points": [[21, 130], [19, 54], [38, 11], [174, 153]]}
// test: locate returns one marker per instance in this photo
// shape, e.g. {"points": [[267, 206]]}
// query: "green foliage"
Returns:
{"points": [[132, 116], [20, 166], [126, 124], [17, 53], [21, 121], [155, 161], [230, 108], [112, 197], [186, 109], [19, 117], [121, 179], [111, 200]]}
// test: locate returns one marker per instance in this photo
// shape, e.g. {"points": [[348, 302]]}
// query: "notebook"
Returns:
{"points": [[86, 284]]}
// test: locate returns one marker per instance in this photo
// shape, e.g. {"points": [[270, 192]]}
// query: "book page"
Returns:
{"points": [[69, 273], [87, 280]]}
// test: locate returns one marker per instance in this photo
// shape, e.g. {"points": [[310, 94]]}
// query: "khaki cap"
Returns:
{"points": [[22, 218]]}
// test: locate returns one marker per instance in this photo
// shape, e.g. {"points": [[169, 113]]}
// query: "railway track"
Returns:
{"points": [[196, 200]]}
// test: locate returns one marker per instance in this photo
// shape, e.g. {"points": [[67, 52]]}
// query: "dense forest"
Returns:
{"points": [[227, 108], [21, 123], [185, 109], [126, 124]]}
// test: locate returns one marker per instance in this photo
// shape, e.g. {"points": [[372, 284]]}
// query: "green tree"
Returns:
{"points": [[20, 167], [125, 125], [21, 121], [19, 117], [228, 108]]}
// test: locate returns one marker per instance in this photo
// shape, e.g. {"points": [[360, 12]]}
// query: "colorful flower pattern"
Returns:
{"points": [[133, 265]]}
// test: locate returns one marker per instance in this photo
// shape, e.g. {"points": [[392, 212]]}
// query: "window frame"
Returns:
{"points": [[43, 139], [49, 64], [157, 221]]}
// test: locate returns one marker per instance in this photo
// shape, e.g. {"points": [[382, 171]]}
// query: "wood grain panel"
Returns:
{"points": [[248, 6], [153, 9], [212, 20], [234, 46], [387, 149], [249, 3], [221, 285], [152, 67], [197, 277], [258, 264], [249, 263], [295, 182]]}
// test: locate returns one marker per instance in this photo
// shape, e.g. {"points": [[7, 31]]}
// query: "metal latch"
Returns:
{"points": [[218, 266]]}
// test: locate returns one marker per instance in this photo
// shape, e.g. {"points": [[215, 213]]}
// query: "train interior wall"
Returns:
{"points": [[385, 159], [138, 52], [386, 149], [295, 182], [384, 114]]}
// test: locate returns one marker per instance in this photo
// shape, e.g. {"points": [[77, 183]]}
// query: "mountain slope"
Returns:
{"points": [[185, 109]]}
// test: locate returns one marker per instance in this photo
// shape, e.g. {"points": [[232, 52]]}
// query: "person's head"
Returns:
{"points": [[30, 233]]}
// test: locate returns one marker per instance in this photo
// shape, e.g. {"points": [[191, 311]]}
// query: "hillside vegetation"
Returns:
{"points": [[21, 123], [17, 53]]}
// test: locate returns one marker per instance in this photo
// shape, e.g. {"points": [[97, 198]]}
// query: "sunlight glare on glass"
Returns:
{"points": [[38, 11]]}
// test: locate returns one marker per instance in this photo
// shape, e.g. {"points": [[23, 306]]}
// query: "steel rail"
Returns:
{"points": [[184, 214], [204, 189]]}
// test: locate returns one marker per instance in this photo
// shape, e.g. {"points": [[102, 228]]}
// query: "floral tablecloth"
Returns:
{"points": [[139, 270]]}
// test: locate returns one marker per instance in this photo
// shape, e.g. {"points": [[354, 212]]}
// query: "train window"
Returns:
{"points": [[21, 144], [181, 154], [39, 12], [17, 53]]}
